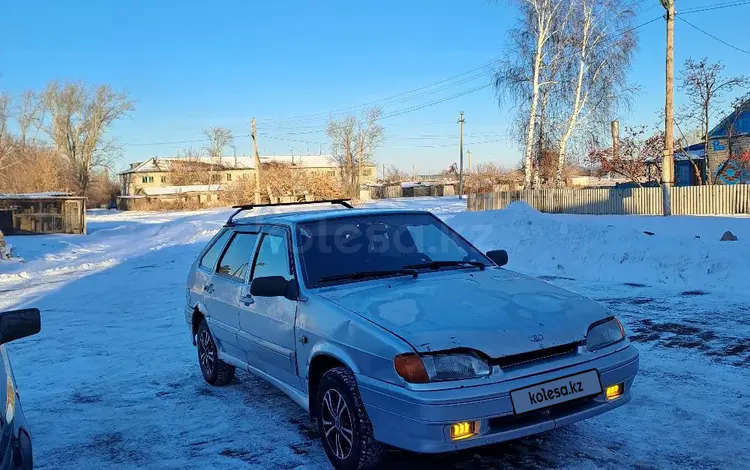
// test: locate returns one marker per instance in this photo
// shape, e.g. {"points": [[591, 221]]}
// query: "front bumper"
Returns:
{"points": [[420, 420], [189, 320]]}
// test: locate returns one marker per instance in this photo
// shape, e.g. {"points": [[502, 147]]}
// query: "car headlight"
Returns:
{"points": [[441, 366], [10, 401], [604, 333]]}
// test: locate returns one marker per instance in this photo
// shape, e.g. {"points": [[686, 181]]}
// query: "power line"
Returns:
{"points": [[716, 6], [712, 36], [445, 145], [296, 121], [316, 122], [389, 98], [432, 103]]}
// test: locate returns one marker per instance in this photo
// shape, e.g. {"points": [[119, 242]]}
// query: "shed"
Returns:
{"points": [[25, 214]]}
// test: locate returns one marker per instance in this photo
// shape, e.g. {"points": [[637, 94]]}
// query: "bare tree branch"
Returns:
{"points": [[704, 84], [353, 143], [79, 118]]}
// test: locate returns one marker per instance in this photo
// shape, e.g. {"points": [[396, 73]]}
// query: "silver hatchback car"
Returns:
{"points": [[390, 328]]}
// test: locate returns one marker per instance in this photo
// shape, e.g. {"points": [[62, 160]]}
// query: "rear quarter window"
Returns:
{"points": [[211, 256]]}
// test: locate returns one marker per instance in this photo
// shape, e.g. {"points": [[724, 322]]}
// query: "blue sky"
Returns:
{"points": [[194, 64]]}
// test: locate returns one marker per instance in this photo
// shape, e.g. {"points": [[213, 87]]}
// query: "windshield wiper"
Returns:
{"points": [[368, 274], [443, 264]]}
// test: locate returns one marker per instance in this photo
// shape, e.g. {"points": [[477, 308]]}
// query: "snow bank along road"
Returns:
{"points": [[112, 380]]}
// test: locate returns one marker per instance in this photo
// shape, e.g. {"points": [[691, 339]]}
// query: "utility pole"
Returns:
{"points": [[256, 161], [468, 160], [667, 164], [461, 157], [383, 172], [615, 140]]}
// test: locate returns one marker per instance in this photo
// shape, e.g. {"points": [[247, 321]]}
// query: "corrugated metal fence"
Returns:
{"points": [[692, 200]]}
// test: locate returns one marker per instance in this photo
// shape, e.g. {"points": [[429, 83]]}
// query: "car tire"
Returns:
{"points": [[215, 371], [24, 456], [338, 393]]}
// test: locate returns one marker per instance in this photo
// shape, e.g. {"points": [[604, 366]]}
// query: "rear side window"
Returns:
{"points": [[212, 255], [273, 258], [235, 260]]}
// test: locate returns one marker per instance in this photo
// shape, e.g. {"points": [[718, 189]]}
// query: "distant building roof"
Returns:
{"points": [[173, 190], [162, 164], [738, 119], [46, 195]]}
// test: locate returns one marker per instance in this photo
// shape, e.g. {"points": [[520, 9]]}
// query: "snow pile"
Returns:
{"points": [[684, 252], [6, 250], [113, 239]]}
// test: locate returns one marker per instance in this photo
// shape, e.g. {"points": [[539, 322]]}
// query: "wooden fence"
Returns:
{"points": [[691, 200]]}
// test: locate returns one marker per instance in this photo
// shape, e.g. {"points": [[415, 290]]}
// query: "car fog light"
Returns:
{"points": [[614, 391], [464, 430]]}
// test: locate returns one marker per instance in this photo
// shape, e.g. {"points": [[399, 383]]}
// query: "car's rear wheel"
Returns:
{"points": [[345, 429], [215, 371]]}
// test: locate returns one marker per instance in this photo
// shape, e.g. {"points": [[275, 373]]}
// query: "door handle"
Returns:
{"points": [[208, 288]]}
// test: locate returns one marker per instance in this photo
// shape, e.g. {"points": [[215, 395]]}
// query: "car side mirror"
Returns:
{"points": [[274, 286], [18, 324], [499, 257]]}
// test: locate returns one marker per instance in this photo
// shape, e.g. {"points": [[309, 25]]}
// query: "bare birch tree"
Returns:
{"points": [[704, 84], [218, 139], [600, 44], [353, 143], [529, 72], [79, 118]]}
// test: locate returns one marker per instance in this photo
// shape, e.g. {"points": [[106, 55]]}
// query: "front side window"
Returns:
{"points": [[272, 258], [236, 258], [209, 259], [347, 249]]}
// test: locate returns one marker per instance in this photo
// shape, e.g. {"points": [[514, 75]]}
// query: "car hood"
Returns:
{"points": [[495, 311]]}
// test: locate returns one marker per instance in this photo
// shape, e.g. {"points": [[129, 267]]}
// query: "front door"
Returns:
{"points": [[72, 222], [267, 323], [222, 298]]}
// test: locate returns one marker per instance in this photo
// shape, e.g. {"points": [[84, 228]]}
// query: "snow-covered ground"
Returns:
{"points": [[112, 380]]}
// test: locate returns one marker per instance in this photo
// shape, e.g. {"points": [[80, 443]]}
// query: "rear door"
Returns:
{"points": [[222, 297], [267, 323]]}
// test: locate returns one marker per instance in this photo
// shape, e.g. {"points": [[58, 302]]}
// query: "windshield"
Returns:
{"points": [[346, 249]]}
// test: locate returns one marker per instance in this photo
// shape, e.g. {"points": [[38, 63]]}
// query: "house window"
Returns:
{"points": [[147, 179], [216, 178], [163, 179], [229, 177], [332, 172]]}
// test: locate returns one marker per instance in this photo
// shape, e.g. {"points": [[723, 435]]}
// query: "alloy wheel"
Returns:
{"points": [[338, 425], [206, 352]]}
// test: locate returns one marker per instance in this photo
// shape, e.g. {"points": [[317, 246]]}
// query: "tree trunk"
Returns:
{"points": [[577, 105], [529, 151], [706, 159]]}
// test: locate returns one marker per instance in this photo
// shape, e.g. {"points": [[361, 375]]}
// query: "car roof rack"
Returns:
{"points": [[248, 207]]}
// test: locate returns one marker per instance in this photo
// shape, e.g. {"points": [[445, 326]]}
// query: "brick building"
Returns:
{"points": [[727, 143], [170, 172]]}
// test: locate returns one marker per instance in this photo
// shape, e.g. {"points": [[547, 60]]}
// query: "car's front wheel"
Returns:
{"points": [[345, 429], [214, 370]]}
